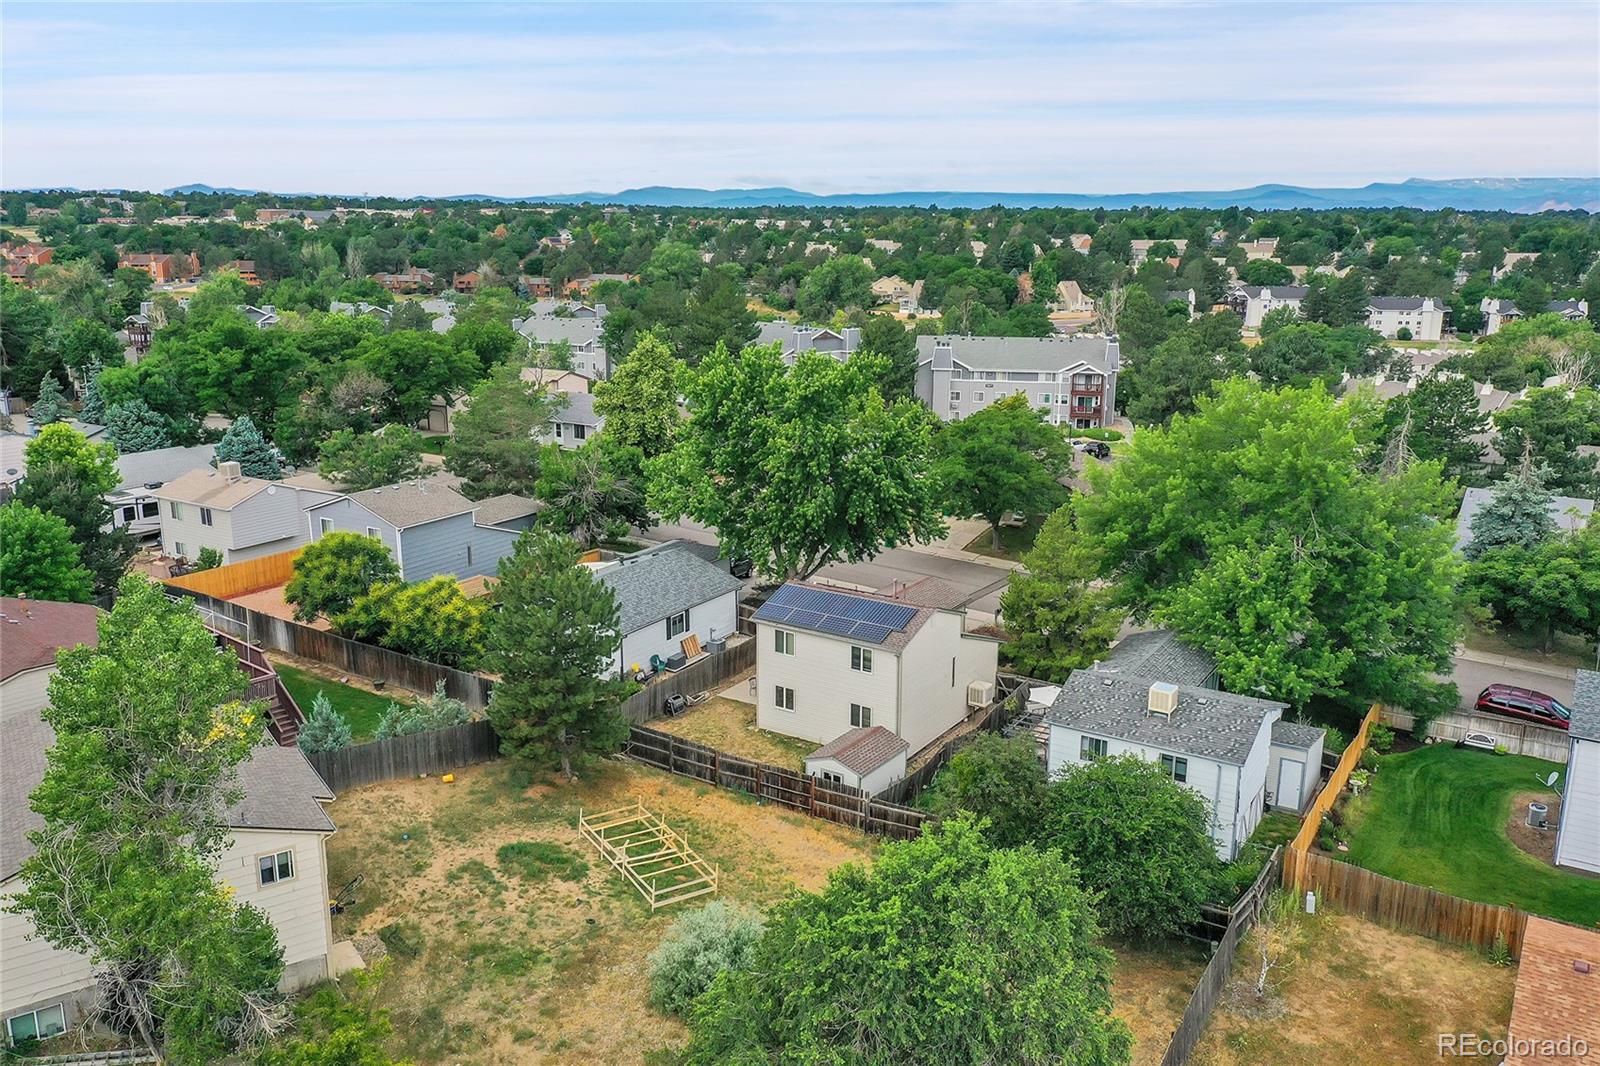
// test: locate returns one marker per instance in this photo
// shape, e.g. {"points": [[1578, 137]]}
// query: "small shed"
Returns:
{"points": [[870, 758], [1294, 766]]}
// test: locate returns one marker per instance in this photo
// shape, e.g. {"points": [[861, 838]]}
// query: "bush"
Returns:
{"points": [[1369, 761], [438, 711], [429, 619], [1334, 739], [325, 728], [1380, 738], [1095, 434], [208, 559], [1327, 836], [698, 946], [997, 778], [1402, 334]]}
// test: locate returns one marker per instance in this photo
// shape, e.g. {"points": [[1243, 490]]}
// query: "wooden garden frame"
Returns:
{"points": [[653, 856]]}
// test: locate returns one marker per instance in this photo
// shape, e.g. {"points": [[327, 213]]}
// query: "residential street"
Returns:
{"points": [[1471, 675]]}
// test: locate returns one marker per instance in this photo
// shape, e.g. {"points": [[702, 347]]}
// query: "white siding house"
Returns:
{"points": [[1578, 839], [1215, 744], [869, 758], [829, 661], [666, 594], [1421, 316], [1259, 300], [241, 517], [1073, 380]]}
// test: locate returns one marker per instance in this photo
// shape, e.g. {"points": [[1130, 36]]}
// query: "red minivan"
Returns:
{"points": [[1508, 701]]}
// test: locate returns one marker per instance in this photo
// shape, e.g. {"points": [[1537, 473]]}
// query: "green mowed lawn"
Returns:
{"points": [[361, 709], [1436, 816]]}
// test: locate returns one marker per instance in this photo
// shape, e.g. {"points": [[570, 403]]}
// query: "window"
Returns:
{"points": [[954, 396], [860, 715], [177, 512], [1091, 748], [831, 778], [324, 526], [205, 516], [180, 550], [579, 432], [1176, 768], [372, 531], [861, 659], [677, 623], [38, 1024], [1045, 398], [150, 509], [978, 397], [783, 642], [275, 868], [558, 430], [127, 514], [784, 698]]}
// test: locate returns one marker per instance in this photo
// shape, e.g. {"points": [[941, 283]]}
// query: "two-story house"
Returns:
{"points": [[1422, 317], [1259, 300], [1496, 313], [1070, 298], [828, 661], [1578, 839], [667, 594], [575, 421], [582, 336], [1571, 310], [1073, 379], [1139, 250], [840, 343], [429, 527], [241, 517], [134, 505]]}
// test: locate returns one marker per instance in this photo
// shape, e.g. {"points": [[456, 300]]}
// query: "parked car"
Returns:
{"points": [[1098, 449], [1524, 704]]}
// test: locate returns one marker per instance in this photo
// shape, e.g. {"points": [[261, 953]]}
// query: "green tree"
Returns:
{"points": [[798, 467], [51, 406], [82, 342], [150, 728], [640, 400], [593, 492], [1552, 586], [325, 728], [93, 410], [26, 355], [134, 427], [430, 619], [698, 946], [244, 444], [1169, 379], [490, 342], [417, 367], [1554, 424], [553, 641], [1059, 616], [841, 282], [887, 338], [93, 464], [1517, 513], [717, 313], [1004, 458], [333, 570], [357, 461], [337, 1024], [1139, 841], [38, 558], [496, 445], [999, 779], [1265, 272], [1440, 419], [60, 489], [1299, 354], [944, 950], [1253, 529]]}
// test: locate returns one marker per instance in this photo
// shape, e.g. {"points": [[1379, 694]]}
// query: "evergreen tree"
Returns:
{"points": [[553, 641], [1518, 513], [325, 728], [244, 444], [51, 406], [93, 410], [1059, 616], [134, 427]]}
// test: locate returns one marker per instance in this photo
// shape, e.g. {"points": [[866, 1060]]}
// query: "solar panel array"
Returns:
{"points": [[870, 621]]}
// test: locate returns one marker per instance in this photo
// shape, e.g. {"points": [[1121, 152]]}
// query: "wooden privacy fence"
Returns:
{"points": [[1412, 908], [1010, 692], [432, 752], [1300, 846], [831, 802], [237, 579], [1519, 738], [1207, 990], [698, 676]]}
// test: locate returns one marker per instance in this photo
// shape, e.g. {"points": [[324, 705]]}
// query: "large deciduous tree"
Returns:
{"points": [[999, 779], [356, 461], [1252, 528], [1545, 588], [836, 284], [1004, 458], [553, 641], [944, 950], [1060, 617], [38, 558], [333, 571], [593, 492], [496, 445], [640, 400], [1555, 424], [418, 367], [798, 467]]}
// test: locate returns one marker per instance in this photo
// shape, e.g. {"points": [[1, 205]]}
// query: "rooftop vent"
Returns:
{"points": [[229, 471], [1163, 698]]}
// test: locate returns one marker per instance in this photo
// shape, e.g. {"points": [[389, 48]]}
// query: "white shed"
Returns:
{"points": [[870, 758], [1294, 769], [1578, 839]]}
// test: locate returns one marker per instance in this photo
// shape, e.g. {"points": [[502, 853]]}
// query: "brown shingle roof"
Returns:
{"points": [[32, 631], [1554, 1000], [929, 592], [862, 749], [208, 488]]}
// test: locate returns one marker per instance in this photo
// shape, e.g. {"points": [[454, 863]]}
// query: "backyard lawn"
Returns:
{"points": [[1014, 540], [730, 726], [361, 709], [1437, 816], [1355, 994]]}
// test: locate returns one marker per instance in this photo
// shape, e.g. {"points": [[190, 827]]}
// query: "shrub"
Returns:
{"points": [[1402, 334], [325, 728], [402, 938], [438, 711], [698, 946], [1500, 951], [1369, 761], [1334, 739], [429, 619], [1095, 434], [1327, 837], [997, 778], [1380, 738], [208, 559]]}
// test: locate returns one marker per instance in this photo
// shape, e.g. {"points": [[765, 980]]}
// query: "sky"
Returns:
{"points": [[441, 99]]}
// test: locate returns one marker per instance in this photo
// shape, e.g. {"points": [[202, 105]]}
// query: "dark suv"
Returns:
{"points": [[1508, 701]]}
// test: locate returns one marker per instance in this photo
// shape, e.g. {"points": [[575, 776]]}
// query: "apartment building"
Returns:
{"points": [[1073, 379], [1422, 317]]}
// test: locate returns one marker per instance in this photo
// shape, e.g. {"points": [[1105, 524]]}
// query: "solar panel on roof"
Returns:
{"points": [[809, 619], [876, 634], [841, 627], [839, 613]]}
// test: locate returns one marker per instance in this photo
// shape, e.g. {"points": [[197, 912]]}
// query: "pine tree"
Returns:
{"points": [[1518, 513], [94, 405], [51, 406], [134, 427], [325, 728], [552, 641], [244, 444]]}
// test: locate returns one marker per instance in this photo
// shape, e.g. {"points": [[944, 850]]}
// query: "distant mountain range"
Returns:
{"points": [[1467, 194]]}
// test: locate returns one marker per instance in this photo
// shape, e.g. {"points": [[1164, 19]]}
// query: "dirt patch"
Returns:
{"points": [[1357, 994], [1540, 843], [1150, 988], [542, 961], [730, 726]]}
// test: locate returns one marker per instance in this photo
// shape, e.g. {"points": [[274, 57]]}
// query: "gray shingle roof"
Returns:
{"points": [[661, 581], [1042, 354], [551, 330], [1568, 512], [1278, 292], [1161, 655], [1210, 724], [1586, 705], [281, 790], [161, 465], [578, 410], [862, 749], [506, 508], [413, 503], [1400, 303], [1295, 735]]}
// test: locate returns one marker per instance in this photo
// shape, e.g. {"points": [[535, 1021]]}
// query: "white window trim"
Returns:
{"points": [[372, 531], [860, 716], [276, 878], [860, 659], [683, 628], [34, 1014], [324, 526], [1092, 748], [783, 698], [782, 642]]}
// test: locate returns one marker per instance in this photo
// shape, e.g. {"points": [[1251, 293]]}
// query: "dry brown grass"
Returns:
{"points": [[1357, 994], [730, 726], [1150, 986], [552, 968]]}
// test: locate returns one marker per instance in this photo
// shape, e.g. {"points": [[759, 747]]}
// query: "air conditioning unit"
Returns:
{"points": [[980, 694], [1163, 698]]}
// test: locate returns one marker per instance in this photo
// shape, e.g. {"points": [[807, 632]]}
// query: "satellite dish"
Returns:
{"points": [[1550, 782]]}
